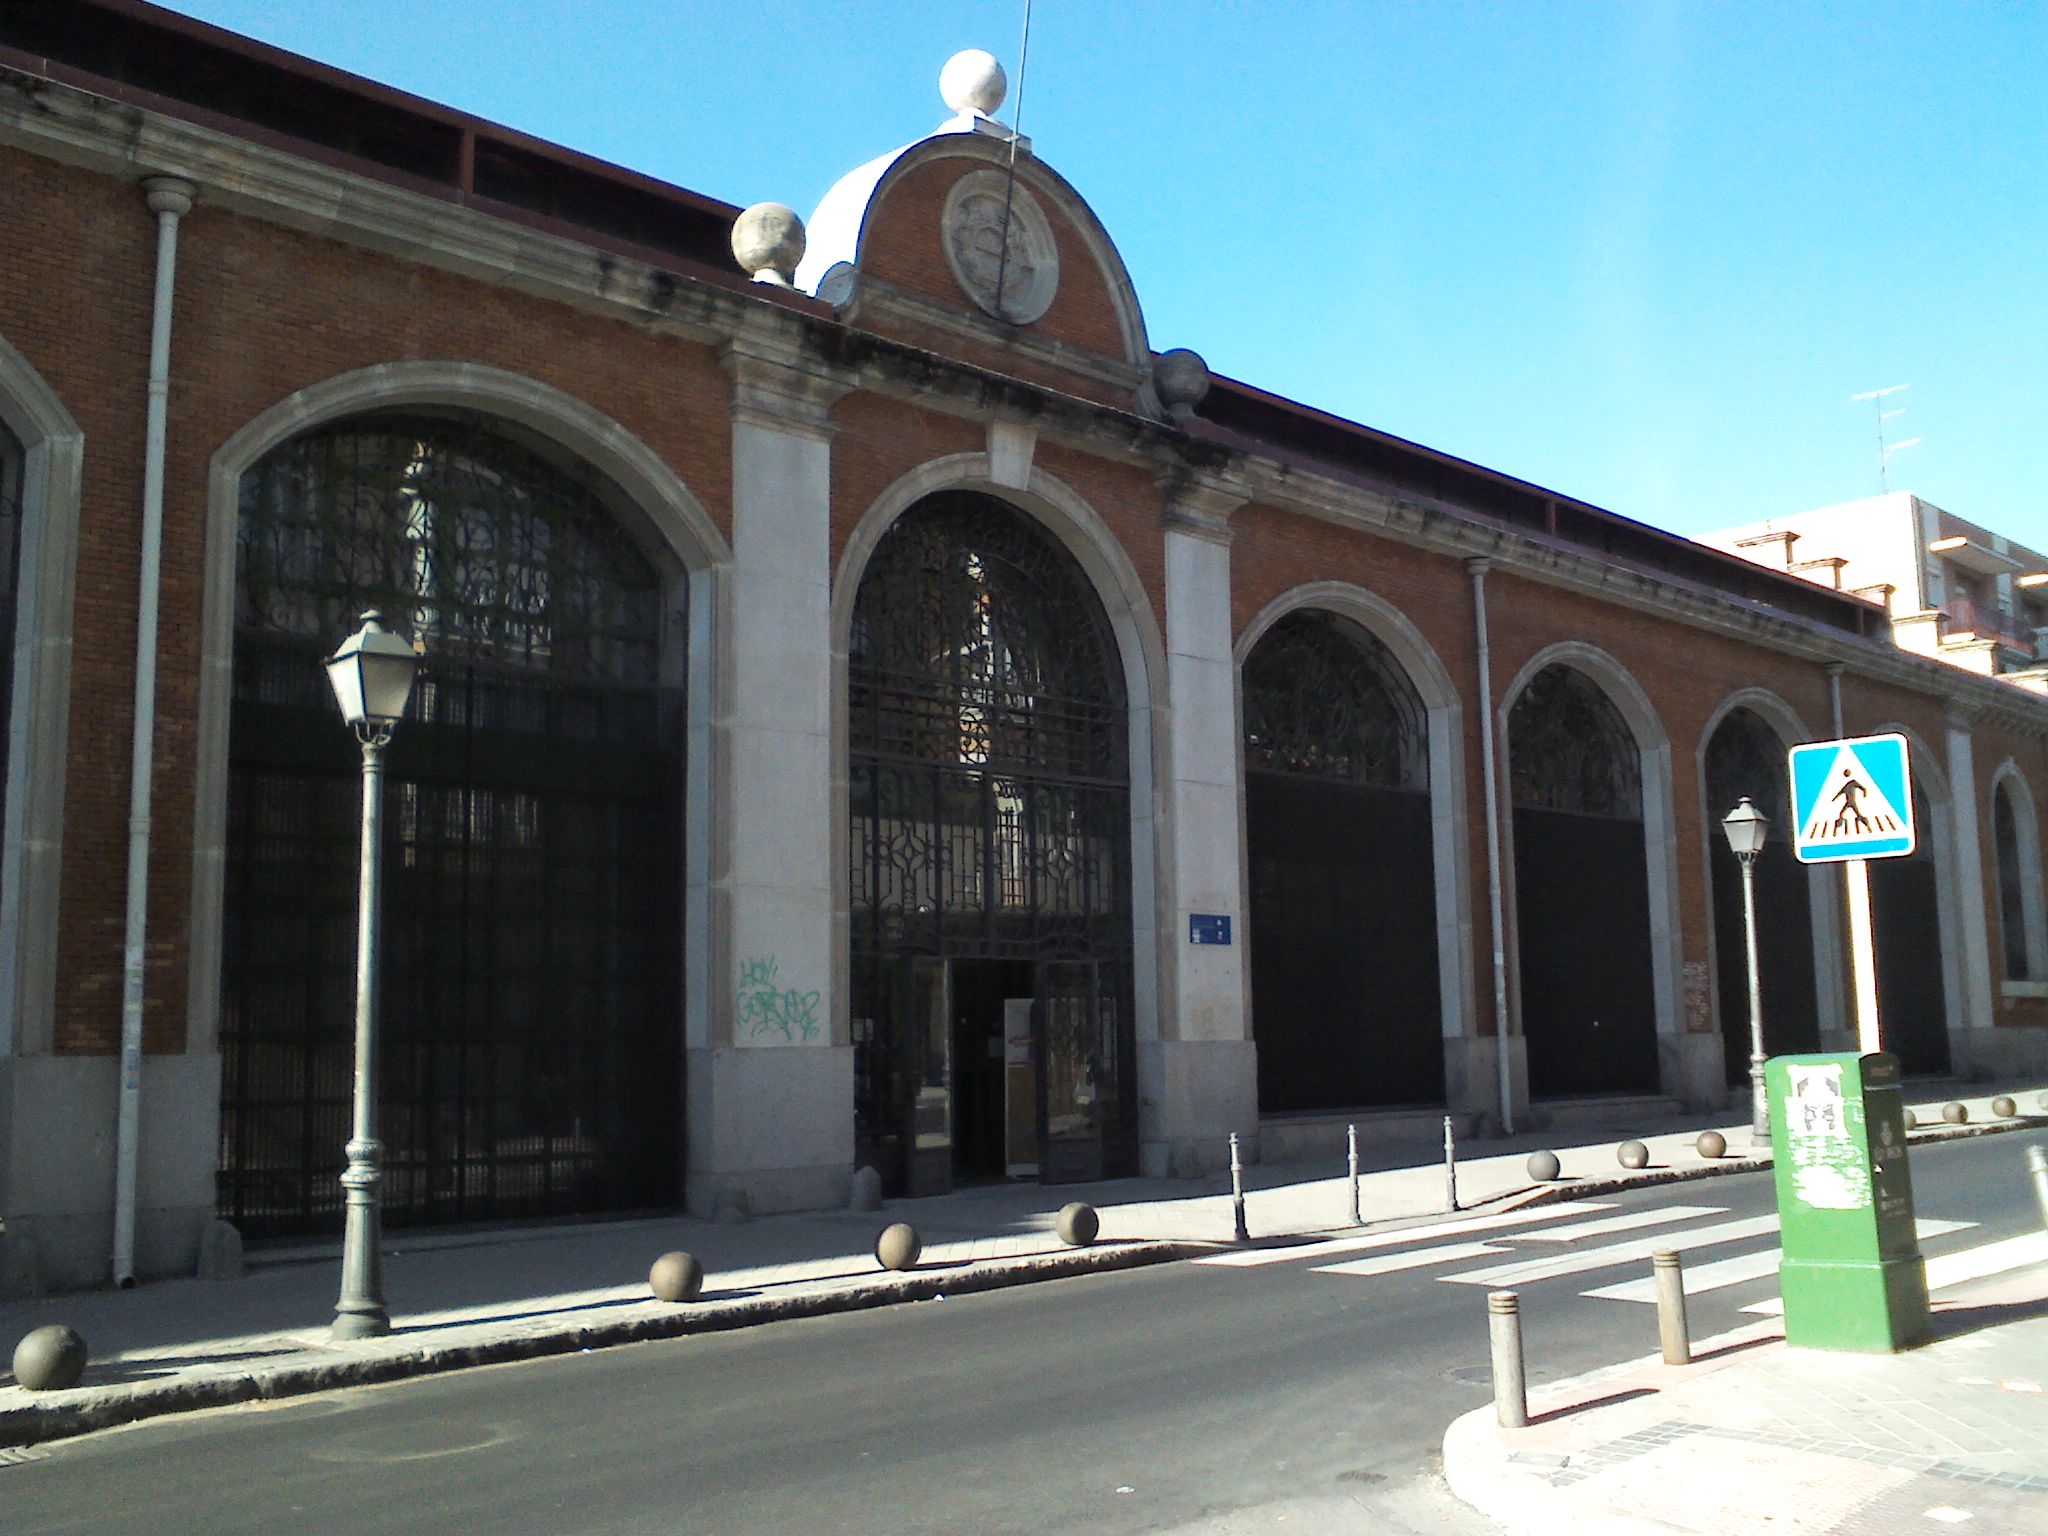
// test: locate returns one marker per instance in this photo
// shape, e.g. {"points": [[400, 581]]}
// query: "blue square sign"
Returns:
{"points": [[1852, 799], [1208, 928]]}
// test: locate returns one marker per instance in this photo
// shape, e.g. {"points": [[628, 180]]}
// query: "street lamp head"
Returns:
{"points": [[371, 675], [1747, 827]]}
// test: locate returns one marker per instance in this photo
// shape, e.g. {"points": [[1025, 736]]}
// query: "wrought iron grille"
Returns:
{"points": [[11, 467], [1325, 699], [988, 795], [1570, 750], [1746, 757], [530, 980]]}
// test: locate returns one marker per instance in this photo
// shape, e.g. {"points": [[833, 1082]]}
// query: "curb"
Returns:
{"points": [[82, 1410]]}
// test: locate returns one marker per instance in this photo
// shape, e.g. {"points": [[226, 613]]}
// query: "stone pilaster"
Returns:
{"points": [[1198, 1080], [771, 1089]]}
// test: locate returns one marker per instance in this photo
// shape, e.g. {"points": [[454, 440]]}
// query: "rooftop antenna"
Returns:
{"points": [[1010, 182], [1884, 450]]}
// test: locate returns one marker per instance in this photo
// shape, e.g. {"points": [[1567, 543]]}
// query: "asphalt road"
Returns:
{"points": [[1189, 1398]]}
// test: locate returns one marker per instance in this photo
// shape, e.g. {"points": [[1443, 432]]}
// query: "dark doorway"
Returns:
{"points": [[1582, 905], [531, 983], [989, 834], [1345, 1001], [1746, 757], [1905, 912]]}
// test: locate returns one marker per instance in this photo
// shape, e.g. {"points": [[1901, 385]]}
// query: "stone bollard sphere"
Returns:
{"points": [[676, 1277], [1912, 1120], [1632, 1154], [2004, 1108], [1544, 1166], [1711, 1144], [898, 1246], [49, 1359], [1077, 1224], [1954, 1113]]}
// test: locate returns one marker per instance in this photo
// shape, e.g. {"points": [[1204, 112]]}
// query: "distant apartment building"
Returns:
{"points": [[1955, 590]]}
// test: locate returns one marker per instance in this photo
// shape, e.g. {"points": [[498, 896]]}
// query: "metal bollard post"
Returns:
{"points": [[1510, 1386], [1237, 1188], [1672, 1331], [2037, 1168], [1351, 1157], [1450, 1166]]}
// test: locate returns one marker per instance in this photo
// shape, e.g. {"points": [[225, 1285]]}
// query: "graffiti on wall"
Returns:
{"points": [[766, 1007]]}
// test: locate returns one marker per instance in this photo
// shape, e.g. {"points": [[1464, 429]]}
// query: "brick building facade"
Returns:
{"points": [[849, 702]]}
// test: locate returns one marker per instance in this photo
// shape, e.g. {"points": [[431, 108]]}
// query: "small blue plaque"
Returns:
{"points": [[1208, 928]]}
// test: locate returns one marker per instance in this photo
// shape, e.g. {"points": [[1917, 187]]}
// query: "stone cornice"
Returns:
{"points": [[782, 387], [1200, 503]]}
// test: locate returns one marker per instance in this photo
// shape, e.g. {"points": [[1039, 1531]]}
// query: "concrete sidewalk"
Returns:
{"points": [[1755, 1435], [472, 1299]]}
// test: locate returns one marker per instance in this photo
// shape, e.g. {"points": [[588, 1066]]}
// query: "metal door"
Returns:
{"points": [[1075, 1040]]}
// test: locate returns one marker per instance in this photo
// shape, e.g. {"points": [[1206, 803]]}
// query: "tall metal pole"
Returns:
{"points": [[1759, 1105], [361, 1313]]}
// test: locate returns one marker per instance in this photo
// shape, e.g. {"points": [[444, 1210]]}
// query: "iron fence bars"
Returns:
{"points": [[532, 974]]}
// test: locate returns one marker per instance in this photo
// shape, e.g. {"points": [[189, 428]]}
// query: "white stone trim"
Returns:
{"points": [[38, 735], [672, 525], [1450, 830], [1069, 518], [1653, 747], [2027, 828]]}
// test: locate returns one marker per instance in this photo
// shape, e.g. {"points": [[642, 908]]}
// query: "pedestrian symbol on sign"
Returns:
{"points": [[1852, 799]]}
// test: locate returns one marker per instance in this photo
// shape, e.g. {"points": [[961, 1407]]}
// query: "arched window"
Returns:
{"points": [[1346, 1001], [2018, 854], [1570, 750], [1323, 698], [531, 983], [990, 885]]}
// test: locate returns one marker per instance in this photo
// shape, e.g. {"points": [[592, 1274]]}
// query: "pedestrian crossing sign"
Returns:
{"points": [[1852, 799]]}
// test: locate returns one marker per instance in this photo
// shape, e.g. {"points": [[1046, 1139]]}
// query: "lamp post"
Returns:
{"points": [[1747, 827], [371, 675]]}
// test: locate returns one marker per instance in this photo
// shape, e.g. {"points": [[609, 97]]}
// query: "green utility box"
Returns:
{"points": [[1852, 1277]]}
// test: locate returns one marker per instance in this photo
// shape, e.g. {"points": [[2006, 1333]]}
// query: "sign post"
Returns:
{"points": [[1852, 800], [1851, 1275]]}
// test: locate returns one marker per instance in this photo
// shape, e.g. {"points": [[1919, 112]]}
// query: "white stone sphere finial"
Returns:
{"points": [[768, 242], [973, 81]]}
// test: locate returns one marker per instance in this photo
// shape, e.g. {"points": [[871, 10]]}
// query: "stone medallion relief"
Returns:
{"points": [[1000, 246]]}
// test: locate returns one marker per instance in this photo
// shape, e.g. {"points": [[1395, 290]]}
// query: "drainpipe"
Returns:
{"points": [[170, 198], [1489, 770], [1835, 669]]}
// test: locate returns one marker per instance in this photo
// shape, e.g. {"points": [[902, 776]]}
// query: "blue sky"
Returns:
{"points": [[1641, 253]]}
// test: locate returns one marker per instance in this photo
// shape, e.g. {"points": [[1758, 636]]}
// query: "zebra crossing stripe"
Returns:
{"points": [[1390, 1263], [1749, 1266], [1951, 1269], [1253, 1257], [1628, 1221], [1617, 1253]]}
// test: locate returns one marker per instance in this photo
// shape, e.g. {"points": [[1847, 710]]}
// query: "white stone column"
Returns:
{"points": [[770, 1118], [1198, 1080], [1969, 1048]]}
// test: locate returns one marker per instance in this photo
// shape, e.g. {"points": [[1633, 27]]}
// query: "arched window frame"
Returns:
{"points": [[2022, 906], [52, 450]]}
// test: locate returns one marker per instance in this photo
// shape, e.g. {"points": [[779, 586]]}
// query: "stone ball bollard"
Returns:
{"points": [[1954, 1113], [1544, 1166], [1711, 1144], [49, 1359], [1077, 1224], [2003, 1107], [1632, 1154], [866, 1192], [898, 1246], [676, 1277], [1912, 1120]]}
